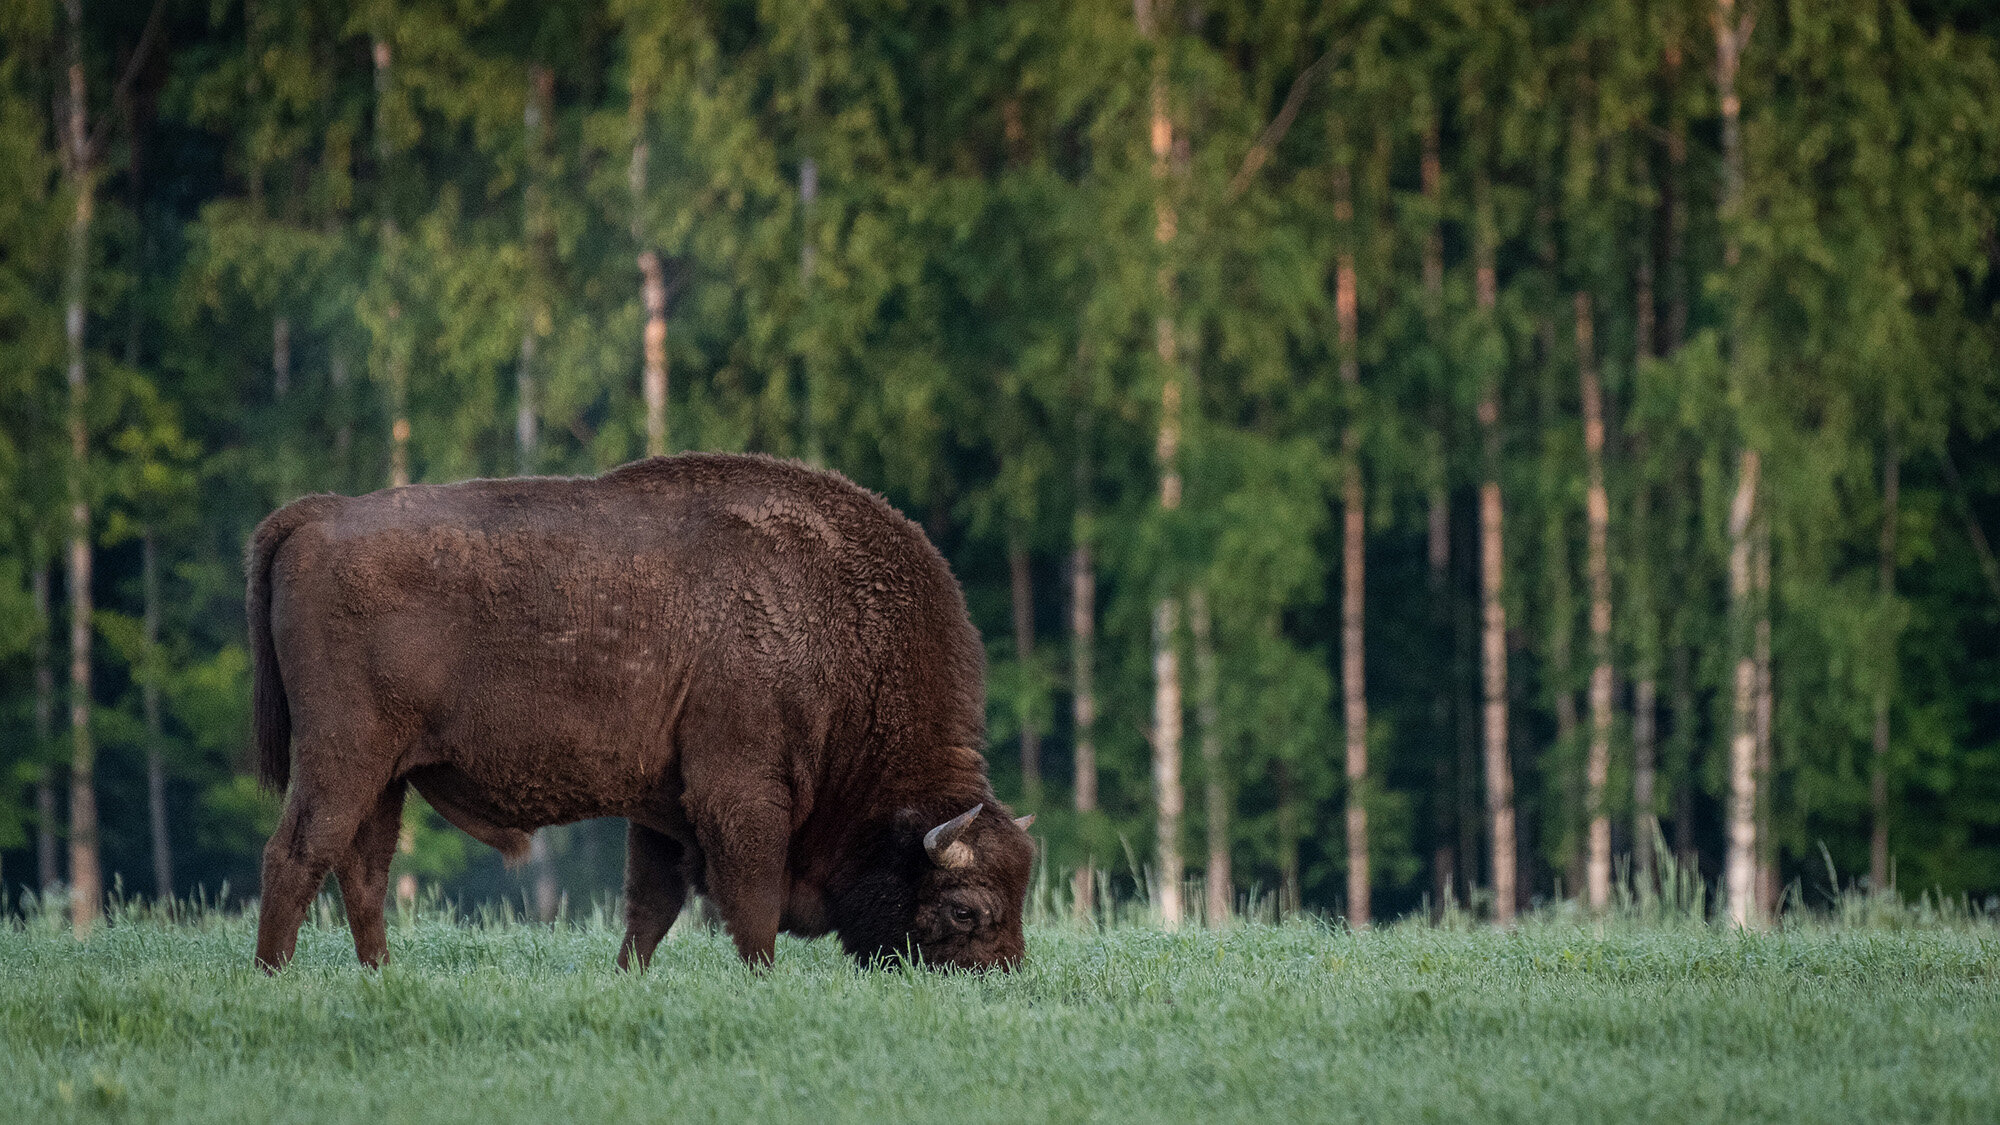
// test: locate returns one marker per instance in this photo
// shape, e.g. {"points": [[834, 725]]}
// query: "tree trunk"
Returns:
{"points": [[149, 694], [1673, 332], [48, 863], [1597, 772], [1878, 774], [1022, 586], [809, 438], [398, 373], [1741, 868], [1645, 747], [652, 286], [1220, 880], [79, 170], [1083, 636], [1354, 700], [1444, 852], [1740, 864], [1642, 606], [542, 865], [1492, 570], [1564, 764], [1167, 792], [1083, 632], [343, 432], [281, 356], [1444, 857], [537, 126], [1673, 192], [1166, 732]]}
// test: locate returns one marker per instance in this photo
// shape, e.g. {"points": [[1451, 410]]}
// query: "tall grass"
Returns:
{"points": [[1675, 896], [486, 1019]]}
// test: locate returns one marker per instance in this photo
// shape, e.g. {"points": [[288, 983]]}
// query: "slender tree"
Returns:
{"points": [[1354, 699], [1445, 857], [1492, 568], [1878, 770], [537, 132], [1598, 514], [1558, 578], [1642, 609], [1740, 868], [281, 356], [149, 692], [652, 283], [1169, 797], [80, 174], [1083, 637], [1677, 502], [1732, 32], [393, 352]]}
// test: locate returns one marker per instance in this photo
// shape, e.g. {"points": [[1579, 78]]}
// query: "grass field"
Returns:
{"points": [[504, 1022]]}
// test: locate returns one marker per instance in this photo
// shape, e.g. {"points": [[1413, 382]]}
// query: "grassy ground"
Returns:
{"points": [[502, 1022]]}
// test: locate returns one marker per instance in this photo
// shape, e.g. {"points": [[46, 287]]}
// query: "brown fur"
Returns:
{"points": [[766, 669]]}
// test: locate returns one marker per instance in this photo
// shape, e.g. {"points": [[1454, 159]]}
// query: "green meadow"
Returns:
{"points": [[497, 1021]]}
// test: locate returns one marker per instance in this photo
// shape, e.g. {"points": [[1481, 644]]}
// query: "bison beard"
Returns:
{"points": [[766, 669]]}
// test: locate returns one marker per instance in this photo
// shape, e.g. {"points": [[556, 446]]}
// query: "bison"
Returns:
{"points": [[766, 669]]}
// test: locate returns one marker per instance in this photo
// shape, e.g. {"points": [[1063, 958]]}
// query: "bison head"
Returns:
{"points": [[950, 892]]}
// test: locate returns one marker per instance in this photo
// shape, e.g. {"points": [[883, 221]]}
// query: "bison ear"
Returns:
{"points": [[941, 843], [1024, 822]]}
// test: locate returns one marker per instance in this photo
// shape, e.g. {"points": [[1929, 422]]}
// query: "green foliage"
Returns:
{"points": [[293, 248]]}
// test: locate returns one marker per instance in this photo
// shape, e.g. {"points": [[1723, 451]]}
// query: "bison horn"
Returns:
{"points": [[1023, 822], [941, 843]]}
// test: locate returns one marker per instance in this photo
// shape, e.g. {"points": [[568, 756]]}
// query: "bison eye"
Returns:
{"points": [[962, 916]]}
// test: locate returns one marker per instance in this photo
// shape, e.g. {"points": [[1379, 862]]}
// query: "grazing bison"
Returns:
{"points": [[767, 670]]}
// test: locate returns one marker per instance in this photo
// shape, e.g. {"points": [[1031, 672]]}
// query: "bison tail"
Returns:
{"points": [[271, 712]]}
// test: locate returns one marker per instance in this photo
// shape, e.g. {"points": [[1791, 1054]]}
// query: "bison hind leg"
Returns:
{"points": [[318, 829], [364, 875]]}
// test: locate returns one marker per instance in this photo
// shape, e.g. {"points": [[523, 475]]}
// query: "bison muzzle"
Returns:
{"points": [[765, 669]]}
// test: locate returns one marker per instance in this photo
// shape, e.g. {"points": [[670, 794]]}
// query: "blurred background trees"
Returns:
{"points": [[1477, 450]]}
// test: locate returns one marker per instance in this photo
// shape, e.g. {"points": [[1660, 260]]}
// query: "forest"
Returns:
{"points": [[1403, 457]]}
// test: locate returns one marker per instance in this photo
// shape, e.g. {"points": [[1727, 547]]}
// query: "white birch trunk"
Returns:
{"points": [[80, 173], [1083, 632], [1740, 862], [1169, 796], [1353, 682], [1492, 572], [1597, 510]]}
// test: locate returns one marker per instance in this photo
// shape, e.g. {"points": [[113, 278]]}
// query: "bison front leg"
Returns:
{"points": [[655, 891], [746, 841], [364, 875]]}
